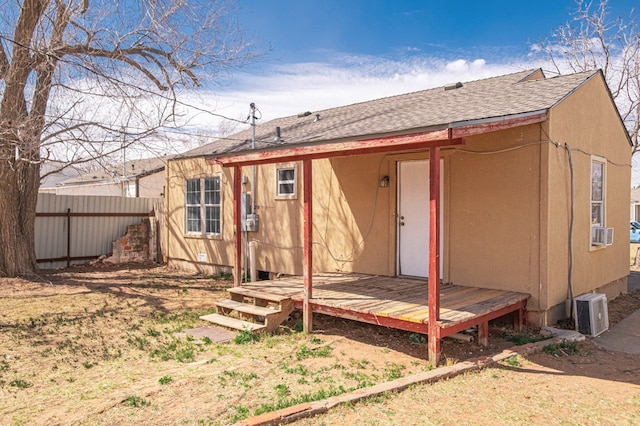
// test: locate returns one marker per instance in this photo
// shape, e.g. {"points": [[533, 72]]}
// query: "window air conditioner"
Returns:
{"points": [[601, 236], [592, 315]]}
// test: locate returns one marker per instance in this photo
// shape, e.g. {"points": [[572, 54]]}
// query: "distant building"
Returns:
{"points": [[138, 178]]}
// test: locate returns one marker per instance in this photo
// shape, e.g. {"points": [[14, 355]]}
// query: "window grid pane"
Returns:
{"points": [[597, 169], [193, 219], [212, 220], [193, 192], [597, 193]]}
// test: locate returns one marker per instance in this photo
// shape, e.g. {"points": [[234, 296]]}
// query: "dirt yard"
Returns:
{"points": [[98, 346]]}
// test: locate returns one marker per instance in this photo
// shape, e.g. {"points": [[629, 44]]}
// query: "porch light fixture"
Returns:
{"points": [[384, 181]]}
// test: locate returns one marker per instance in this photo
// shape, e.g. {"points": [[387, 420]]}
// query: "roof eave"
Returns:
{"points": [[449, 135]]}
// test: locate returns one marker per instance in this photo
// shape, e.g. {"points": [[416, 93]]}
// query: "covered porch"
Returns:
{"points": [[394, 302], [400, 303]]}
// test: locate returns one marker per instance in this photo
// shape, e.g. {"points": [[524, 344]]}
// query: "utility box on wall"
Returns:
{"points": [[592, 314]]}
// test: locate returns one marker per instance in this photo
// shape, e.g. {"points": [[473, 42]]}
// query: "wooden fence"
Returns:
{"points": [[74, 229]]}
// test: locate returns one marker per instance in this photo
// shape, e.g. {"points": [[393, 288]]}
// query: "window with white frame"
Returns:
{"points": [[286, 182], [598, 172], [203, 206]]}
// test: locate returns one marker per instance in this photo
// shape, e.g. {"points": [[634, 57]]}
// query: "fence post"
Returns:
{"points": [[68, 237]]}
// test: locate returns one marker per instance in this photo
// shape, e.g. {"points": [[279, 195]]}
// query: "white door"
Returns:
{"points": [[413, 218]]}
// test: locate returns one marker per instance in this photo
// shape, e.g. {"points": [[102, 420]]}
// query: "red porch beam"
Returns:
{"points": [[494, 126], [418, 141], [434, 256], [307, 258], [237, 252]]}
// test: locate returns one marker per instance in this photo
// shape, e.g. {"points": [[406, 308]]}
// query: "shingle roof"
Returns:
{"points": [[408, 113]]}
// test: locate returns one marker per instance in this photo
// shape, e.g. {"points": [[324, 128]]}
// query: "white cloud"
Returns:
{"points": [[292, 88]]}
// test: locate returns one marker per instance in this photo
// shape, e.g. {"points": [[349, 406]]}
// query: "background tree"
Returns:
{"points": [[593, 39], [83, 79]]}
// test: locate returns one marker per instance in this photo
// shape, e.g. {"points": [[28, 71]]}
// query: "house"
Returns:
{"points": [[143, 178], [500, 192]]}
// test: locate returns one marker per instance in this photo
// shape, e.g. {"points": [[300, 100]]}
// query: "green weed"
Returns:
{"points": [[153, 332], [305, 352], [246, 337], [523, 339], [394, 371], [513, 361], [185, 354], [237, 378], [299, 369], [165, 380], [307, 397], [282, 390], [136, 401], [241, 413], [20, 384], [564, 347], [363, 380]]}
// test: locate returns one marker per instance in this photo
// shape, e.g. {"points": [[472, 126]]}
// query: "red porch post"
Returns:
{"points": [[237, 252], [307, 259], [434, 256]]}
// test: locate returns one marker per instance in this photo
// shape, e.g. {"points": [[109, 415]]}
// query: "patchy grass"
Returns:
{"points": [[100, 347]]}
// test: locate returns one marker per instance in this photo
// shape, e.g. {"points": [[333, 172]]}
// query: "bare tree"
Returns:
{"points": [[82, 79], [593, 39]]}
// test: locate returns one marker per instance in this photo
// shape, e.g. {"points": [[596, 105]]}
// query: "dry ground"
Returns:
{"points": [[96, 346]]}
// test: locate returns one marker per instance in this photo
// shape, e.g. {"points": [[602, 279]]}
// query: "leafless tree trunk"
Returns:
{"points": [[592, 40], [82, 79]]}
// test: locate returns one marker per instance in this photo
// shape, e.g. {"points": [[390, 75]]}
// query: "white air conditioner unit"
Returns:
{"points": [[601, 236], [592, 315]]}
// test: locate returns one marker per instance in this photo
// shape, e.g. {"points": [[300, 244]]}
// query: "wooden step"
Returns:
{"points": [[246, 308], [232, 322], [257, 294]]}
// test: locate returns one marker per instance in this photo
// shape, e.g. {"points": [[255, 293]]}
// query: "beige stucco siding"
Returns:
{"points": [[183, 249], [351, 216], [588, 124], [493, 215]]}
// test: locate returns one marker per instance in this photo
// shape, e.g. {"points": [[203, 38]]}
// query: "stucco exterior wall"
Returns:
{"points": [[198, 253], [588, 124], [351, 218], [492, 220]]}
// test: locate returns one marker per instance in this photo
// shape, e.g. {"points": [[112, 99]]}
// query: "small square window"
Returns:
{"points": [[286, 182]]}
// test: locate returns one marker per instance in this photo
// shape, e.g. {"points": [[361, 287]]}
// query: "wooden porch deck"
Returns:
{"points": [[400, 303]]}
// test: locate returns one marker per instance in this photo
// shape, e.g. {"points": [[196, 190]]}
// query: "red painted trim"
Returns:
{"points": [[370, 318], [412, 142], [477, 129], [237, 252], [307, 258], [434, 255]]}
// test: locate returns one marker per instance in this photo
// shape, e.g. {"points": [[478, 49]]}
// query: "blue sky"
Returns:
{"points": [[312, 30], [326, 53]]}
